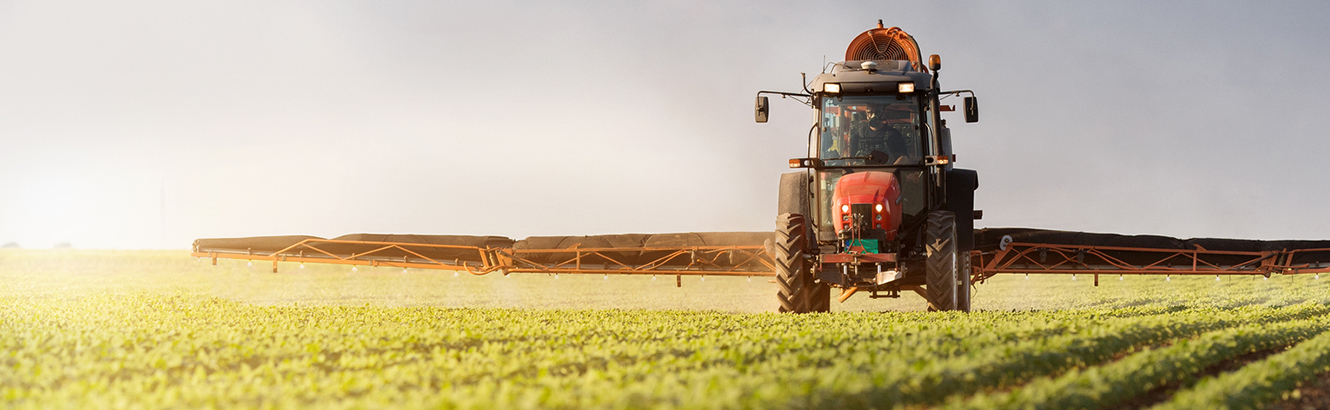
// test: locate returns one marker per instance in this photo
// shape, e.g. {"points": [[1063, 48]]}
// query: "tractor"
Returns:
{"points": [[877, 205]]}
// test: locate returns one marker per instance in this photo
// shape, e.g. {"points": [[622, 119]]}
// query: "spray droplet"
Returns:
{"points": [[1168, 278], [354, 269], [1216, 278], [704, 278], [1027, 276], [653, 277], [454, 274], [1119, 277], [607, 276], [1318, 276], [403, 271], [302, 265], [249, 263], [750, 278], [1073, 276], [1262, 278]]}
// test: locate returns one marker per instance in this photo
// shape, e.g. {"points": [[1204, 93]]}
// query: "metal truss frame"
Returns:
{"points": [[1036, 258], [681, 260]]}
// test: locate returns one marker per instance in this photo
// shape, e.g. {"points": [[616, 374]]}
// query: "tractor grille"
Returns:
{"points": [[861, 215]]}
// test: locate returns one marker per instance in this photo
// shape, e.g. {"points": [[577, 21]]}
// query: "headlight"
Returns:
{"points": [[878, 207], [845, 209]]}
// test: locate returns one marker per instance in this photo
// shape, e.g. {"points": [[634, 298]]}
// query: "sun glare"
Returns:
{"points": [[83, 211]]}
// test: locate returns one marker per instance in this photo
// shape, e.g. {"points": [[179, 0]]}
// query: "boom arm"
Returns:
{"points": [[729, 253], [997, 251], [1037, 251]]}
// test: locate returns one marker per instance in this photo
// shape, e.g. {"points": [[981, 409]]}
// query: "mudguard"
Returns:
{"points": [[794, 197], [961, 184]]}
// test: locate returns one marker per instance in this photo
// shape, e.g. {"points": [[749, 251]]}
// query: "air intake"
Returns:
{"points": [[884, 44]]}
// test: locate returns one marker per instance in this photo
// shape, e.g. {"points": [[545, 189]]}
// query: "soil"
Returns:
{"points": [[1314, 394]]}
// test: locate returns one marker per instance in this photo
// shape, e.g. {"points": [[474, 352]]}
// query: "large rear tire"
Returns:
{"points": [[942, 265], [792, 268]]}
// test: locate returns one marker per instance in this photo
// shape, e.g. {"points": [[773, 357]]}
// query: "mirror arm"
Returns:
{"points": [[805, 99], [955, 92]]}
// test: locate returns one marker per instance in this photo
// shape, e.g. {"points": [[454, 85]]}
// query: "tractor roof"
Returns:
{"points": [[853, 77]]}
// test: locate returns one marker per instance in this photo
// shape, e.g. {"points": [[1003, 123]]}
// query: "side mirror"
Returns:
{"points": [[761, 110], [971, 109]]}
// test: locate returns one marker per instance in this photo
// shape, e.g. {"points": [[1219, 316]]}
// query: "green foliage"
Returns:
{"points": [[89, 329], [1113, 384], [1259, 383]]}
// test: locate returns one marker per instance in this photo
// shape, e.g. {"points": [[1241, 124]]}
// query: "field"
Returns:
{"points": [[149, 329]]}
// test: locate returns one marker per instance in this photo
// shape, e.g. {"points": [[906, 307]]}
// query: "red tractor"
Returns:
{"points": [[879, 206]]}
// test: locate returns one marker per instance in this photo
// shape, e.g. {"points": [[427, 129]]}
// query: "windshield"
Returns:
{"points": [[855, 127]]}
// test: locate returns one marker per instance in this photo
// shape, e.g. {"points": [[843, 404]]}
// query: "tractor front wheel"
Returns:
{"points": [[793, 272], [820, 300], [942, 265]]}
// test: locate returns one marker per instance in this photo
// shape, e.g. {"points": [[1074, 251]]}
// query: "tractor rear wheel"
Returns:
{"points": [[942, 264], [793, 272]]}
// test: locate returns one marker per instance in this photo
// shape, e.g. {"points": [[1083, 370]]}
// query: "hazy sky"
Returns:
{"points": [[148, 124]]}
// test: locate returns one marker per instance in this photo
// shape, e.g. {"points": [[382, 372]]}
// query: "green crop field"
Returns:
{"points": [[140, 329]]}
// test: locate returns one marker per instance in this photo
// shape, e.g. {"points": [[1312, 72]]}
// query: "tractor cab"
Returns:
{"points": [[873, 122], [876, 115]]}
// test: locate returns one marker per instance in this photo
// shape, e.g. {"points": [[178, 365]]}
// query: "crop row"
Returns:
{"points": [[1258, 383], [924, 381], [147, 330], [184, 350], [1112, 384]]}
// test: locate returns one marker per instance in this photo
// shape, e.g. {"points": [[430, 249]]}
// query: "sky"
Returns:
{"points": [[148, 124]]}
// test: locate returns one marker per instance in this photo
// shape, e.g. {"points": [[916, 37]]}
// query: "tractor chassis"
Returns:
{"points": [[882, 274]]}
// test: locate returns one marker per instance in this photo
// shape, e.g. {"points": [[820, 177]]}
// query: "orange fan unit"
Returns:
{"points": [[885, 44]]}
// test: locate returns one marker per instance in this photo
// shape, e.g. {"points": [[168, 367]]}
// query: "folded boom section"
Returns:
{"points": [[1041, 251], [997, 251], [693, 253]]}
